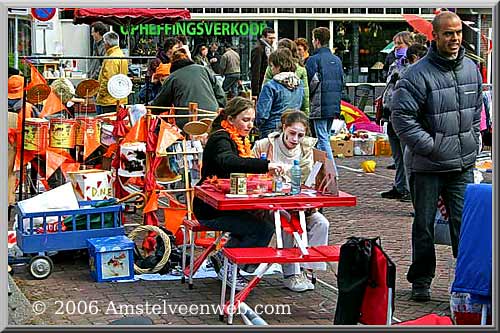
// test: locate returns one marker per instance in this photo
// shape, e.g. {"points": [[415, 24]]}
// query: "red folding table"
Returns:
{"points": [[306, 200]]}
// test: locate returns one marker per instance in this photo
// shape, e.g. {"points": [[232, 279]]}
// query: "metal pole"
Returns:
{"points": [[478, 43], [23, 124], [16, 41]]}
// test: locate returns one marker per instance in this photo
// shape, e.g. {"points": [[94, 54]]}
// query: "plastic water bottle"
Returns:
{"points": [[262, 185], [296, 175]]}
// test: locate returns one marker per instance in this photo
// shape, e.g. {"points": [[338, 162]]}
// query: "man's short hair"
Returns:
{"points": [[322, 34], [436, 22], [99, 27], [111, 38], [267, 31], [170, 42]]}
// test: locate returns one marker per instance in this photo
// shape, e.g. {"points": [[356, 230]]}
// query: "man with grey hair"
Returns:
{"points": [[110, 67], [436, 112]]}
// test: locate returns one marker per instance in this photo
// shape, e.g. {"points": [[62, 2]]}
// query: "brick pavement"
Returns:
{"points": [[373, 216]]}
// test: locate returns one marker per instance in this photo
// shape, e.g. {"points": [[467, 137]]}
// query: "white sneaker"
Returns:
{"points": [[309, 284], [241, 282], [296, 283]]}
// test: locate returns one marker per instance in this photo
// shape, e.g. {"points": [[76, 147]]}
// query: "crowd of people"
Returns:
{"points": [[432, 103]]}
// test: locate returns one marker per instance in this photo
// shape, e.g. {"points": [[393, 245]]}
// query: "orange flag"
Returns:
{"points": [[52, 105], [137, 133], [36, 78], [69, 167], [53, 161], [152, 204], [91, 144]]}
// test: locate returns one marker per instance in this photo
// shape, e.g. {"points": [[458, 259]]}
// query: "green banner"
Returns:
{"points": [[198, 29]]}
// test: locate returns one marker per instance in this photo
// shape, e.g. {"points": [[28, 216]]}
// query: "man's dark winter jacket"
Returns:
{"points": [[187, 83], [325, 98], [436, 113], [220, 158]]}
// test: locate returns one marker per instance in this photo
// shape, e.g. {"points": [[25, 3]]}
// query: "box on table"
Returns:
{"points": [[111, 258], [342, 147], [363, 147], [92, 184]]}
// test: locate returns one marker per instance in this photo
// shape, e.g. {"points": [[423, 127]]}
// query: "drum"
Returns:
{"points": [[36, 132], [87, 127], [62, 133], [107, 137], [132, 159]]}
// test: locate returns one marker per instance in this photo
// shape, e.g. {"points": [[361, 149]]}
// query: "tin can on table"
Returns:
{"points": [[277, 185], [238, 183]]}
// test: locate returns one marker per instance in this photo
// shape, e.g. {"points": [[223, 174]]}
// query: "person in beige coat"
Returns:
{"points": [[290, 144], [110, 67]]}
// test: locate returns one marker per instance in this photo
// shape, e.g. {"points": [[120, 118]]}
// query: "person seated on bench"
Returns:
{"points": [[289, 144], [228, 151]]}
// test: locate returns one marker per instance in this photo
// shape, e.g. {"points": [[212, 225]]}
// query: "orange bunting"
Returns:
{"points": [[137, 133], [69, 167], [111, 150], [36, 78], [52, 105], [167, 136], [174, 218], [152, 204], [244, 147], [53, 161]]}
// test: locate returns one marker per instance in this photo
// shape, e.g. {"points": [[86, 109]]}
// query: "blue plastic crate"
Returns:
{"points": [[111, 258]]}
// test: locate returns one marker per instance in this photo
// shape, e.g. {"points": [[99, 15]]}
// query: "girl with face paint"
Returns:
{"points": [[289, 144]]}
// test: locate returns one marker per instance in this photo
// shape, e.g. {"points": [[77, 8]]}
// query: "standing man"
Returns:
{"points": [[110, 67], [230, 68], [214, 57], [436, 114], [326, 79], [259, 59], [97, 30]]}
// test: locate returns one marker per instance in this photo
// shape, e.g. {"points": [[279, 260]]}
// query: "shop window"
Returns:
{"points": [[303, 10], [266, 10], [213, 10], [375, 10], [286, 29], [66, 13], [231, 10], [426, 10], [321, 10], [410, 10], [249, 10], [340, 10], [285, 10], [195, 10], [358, 10], [393, 10]]}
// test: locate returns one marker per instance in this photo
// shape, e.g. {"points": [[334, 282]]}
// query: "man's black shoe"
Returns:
{"points": [[391, 194], [391, 166], [420, 294]]}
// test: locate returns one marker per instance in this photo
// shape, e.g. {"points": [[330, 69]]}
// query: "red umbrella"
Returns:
{"points": [[420, 24]]}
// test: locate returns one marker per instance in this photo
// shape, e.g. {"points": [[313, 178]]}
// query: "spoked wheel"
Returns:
{"points": [[40, 267]]}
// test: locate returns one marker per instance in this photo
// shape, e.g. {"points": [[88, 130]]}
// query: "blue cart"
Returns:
{"points": [[69, 232]]}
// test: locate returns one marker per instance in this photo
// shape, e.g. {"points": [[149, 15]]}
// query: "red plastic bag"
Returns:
{"points": [[429, 320]]}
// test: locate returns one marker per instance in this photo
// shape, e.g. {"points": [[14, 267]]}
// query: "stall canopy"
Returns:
{"points": [[130, 15]]}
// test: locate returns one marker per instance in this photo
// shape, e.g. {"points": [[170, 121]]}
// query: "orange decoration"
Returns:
{"points": [[244, 148]]}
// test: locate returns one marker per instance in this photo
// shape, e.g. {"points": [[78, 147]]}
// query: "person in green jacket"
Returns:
{"points": [[301, 71]]}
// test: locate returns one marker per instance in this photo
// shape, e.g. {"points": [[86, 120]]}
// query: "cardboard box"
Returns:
{"points": [[363, 147], [344, 147], [111, 258], [92, 184]]}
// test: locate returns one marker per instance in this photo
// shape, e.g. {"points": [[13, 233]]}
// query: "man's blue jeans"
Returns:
{"points": [[425, 189], [247, 228], [322, 128]]}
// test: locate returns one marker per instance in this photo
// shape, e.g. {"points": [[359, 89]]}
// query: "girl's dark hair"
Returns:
{"points": [[233, 108], [292, 46], [283, 58], [291, 116], [153, 64], [416, 50]]}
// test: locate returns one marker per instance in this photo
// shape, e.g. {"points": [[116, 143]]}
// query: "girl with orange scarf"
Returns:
{"points": [[228, 151]]}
